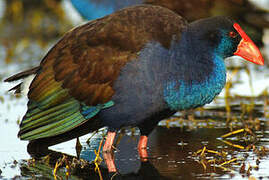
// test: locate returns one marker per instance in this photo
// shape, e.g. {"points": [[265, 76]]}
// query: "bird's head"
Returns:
{"points": [[225, 38]]}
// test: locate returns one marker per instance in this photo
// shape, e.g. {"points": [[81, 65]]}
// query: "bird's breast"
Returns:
{"points": [[180, 95]]}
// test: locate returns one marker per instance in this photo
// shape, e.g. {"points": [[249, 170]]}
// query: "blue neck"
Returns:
{"points": [[180, 94]]}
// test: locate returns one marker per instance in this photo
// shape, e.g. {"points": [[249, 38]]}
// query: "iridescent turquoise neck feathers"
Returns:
{"points": [[180, 95]]}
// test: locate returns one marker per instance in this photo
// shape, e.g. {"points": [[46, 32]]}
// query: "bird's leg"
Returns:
{"points": [[109, 160], [109, 141], [142, 148], [107, 152]]}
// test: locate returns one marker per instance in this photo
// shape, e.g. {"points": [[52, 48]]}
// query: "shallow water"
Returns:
{"points": [[173, 145]]}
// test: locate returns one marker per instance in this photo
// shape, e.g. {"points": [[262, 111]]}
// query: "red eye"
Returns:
{"points": [[232, 34]]}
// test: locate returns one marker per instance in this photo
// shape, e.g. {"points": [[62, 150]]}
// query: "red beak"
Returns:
{"points": [[247, 49]]}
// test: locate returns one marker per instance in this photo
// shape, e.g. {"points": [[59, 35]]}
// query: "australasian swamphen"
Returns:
{"points": [[132, 68]]}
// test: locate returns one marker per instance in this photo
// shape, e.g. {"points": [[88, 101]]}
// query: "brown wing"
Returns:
{"points": [[88, 59]]}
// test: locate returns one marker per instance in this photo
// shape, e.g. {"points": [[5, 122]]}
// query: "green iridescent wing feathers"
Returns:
{"points": [[40, 123], [53, 111]]}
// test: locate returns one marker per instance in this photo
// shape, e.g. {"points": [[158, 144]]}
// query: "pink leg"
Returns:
{"points": [[109, 141], [109, 160], [142, 148], [107, 152]]}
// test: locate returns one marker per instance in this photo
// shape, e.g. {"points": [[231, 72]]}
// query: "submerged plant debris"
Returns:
{"points": [[227, 139]]}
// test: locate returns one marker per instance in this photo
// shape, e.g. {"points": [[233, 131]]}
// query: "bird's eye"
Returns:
{"points": [[232, 34]]}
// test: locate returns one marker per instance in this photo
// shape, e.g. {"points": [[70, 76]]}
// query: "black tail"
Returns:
{"points": [[22, 75], [19, 76]]}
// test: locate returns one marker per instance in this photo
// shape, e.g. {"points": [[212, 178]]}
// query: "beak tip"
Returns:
{"points": [[260, 60]]}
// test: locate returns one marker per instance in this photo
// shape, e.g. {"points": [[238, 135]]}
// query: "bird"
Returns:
{"points": [[132, 68]]}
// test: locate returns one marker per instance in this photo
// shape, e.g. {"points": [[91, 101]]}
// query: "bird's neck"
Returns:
{"points": [[197, 77]]}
